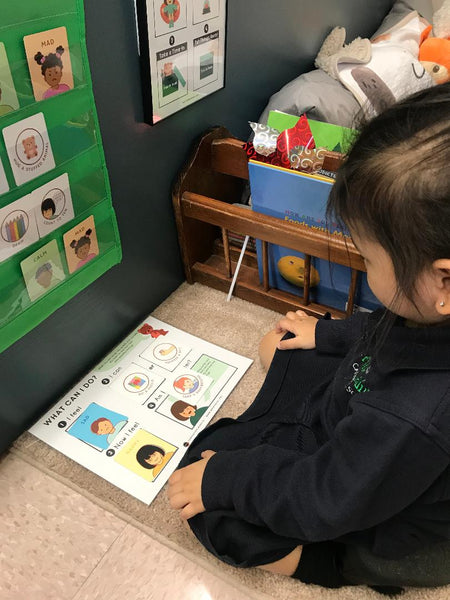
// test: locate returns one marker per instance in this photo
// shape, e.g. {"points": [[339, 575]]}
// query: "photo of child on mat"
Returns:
{"points": [[338, 473]]}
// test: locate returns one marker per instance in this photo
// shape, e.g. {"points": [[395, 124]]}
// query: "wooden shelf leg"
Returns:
{"points": [[265, 261], [226, 251], [306, 279], [352, 292]]}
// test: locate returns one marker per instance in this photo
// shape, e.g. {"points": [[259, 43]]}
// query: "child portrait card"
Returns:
{"points": [[17, 227], [48, 57], [131, 418], [81, 244], [42, 270], [53, 204]]}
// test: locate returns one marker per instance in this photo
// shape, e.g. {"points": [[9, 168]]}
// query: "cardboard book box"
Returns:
{"points": [[301, 198]]}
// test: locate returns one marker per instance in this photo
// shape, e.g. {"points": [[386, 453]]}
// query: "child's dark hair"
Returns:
{"points": [[96, 423], [53, 59], [144, 453], [394, 186], [178, 407], [47, 204], [84, 239]]}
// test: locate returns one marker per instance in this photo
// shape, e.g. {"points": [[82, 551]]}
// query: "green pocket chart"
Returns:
{"points": [[58, 230]]}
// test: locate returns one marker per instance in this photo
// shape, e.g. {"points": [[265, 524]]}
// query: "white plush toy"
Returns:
{"points": [[381, 71]]}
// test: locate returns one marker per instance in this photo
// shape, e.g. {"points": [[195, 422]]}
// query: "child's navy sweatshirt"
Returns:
{"points": [[374, 468]]}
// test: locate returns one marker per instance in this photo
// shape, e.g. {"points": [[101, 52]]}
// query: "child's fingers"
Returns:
{"points": [[190, 510], [174, 478], [290, 344], [284, 324], [178, 500]]}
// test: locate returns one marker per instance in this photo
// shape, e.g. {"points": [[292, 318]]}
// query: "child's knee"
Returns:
{"points": [[268, 346]]}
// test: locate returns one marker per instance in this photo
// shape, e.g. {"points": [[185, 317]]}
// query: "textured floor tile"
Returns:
{"points": [[51, 538], [140, 568]]}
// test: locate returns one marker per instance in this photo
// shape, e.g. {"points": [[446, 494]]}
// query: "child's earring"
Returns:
{"points": [[441, 303]]}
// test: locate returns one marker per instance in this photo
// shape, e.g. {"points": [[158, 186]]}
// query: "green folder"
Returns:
{"points": [[326, 135]]}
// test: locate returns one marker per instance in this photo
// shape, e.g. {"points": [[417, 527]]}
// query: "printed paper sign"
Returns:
{"points": [[182, 46], [131, 419], [28, 147], [17, 227], [81, 244], [48, 58], [53, 204], [42, 270], [8, 96]]}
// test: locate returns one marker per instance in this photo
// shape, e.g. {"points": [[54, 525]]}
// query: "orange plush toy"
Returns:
{"points": [[434, 52]]}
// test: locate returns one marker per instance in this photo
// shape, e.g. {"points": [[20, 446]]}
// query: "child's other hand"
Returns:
{"points": [[185, 487], [302, 326]]}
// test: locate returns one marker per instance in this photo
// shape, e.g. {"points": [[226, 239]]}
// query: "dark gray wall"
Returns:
{"points": [[269, 43]]}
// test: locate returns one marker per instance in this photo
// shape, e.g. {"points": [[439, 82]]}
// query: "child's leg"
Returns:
{"points": [[267, 347], [286, 565]]}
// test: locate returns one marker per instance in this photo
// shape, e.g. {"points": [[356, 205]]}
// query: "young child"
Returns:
{"points": [[339, 472]]}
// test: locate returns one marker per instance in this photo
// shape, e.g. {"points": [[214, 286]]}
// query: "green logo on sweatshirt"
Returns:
{"points": [[361, 369]]}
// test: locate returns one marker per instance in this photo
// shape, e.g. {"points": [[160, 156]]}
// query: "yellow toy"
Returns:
{"points": [[434, 52], [292, 268]]}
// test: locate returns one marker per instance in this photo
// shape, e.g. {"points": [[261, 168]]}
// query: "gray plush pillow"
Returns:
{"points": [[325, 99], [319, 96]]}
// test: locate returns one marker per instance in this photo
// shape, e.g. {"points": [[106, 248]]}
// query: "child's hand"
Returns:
{"points": [[302, 326], [185, 487]]}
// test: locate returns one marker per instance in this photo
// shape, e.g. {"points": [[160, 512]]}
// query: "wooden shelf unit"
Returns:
{"points": [[204, 198]]}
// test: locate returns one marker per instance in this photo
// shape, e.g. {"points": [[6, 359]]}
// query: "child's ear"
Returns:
{"points": [[441, 269]]}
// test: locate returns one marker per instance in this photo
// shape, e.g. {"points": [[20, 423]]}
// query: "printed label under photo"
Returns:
{"points": [[42, 270]]}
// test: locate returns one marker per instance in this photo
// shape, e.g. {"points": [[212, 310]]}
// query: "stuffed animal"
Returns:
{"points": [[29, 147], [434, 51]]}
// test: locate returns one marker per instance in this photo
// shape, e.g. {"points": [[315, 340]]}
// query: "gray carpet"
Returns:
{"points": [[237, 326]]}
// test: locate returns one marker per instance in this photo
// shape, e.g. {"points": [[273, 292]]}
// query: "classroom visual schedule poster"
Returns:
{"points": [[182, 46], [132, 418]]}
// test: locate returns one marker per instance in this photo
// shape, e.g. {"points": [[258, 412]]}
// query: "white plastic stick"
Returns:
{"points": [[238, 266]]}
